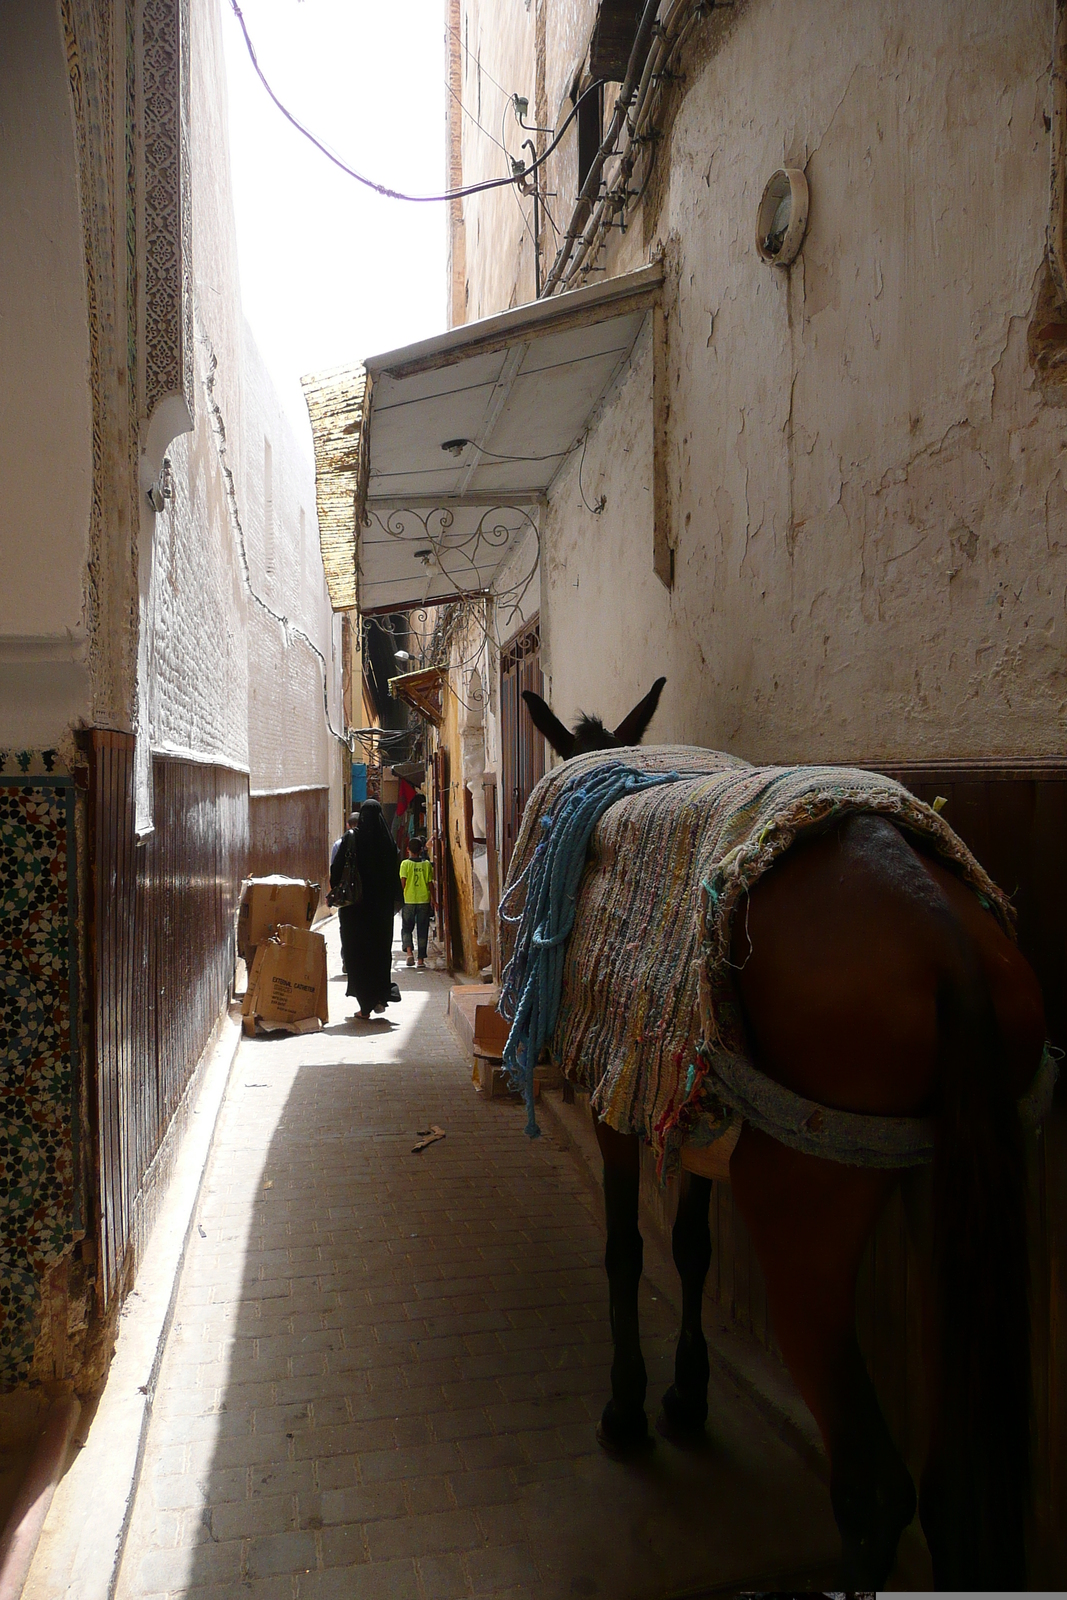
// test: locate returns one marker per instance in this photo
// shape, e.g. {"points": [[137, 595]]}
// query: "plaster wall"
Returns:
{"points": [[289, 743], [517, 598], [868, 495], [45, 409], [498, 54], [235, 551]]}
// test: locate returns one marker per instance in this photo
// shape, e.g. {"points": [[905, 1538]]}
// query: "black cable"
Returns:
{"points": [[380, 188], [554, 455], [602, 502]]}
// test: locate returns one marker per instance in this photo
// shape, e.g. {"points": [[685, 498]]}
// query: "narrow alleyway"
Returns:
{"points": [[385, 1367]]}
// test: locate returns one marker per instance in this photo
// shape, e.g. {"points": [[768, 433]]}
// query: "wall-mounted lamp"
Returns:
{"points": [[782, 216]]}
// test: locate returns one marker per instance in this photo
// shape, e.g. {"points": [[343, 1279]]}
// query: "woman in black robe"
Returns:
{"points": [[367, 928]]}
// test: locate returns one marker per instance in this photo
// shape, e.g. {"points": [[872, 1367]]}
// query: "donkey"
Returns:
{"points": [[871, 980]]}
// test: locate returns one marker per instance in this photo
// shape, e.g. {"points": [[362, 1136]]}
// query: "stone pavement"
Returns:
{"points": [[385, 1368]]}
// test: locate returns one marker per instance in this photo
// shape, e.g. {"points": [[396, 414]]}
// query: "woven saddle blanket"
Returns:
{"points": [[648, 1019]]}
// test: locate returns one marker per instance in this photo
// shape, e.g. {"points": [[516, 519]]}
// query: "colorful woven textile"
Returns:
{"points": [[532, 982], [648, 1004]]}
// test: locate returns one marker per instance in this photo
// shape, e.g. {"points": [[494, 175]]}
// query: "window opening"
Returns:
{"points": [[522, 747], [590, 132]]}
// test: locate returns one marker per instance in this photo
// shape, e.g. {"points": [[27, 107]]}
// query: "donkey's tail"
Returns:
{"points": [[975, 1492]]}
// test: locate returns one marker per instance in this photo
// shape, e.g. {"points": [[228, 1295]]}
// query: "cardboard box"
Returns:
{"points": [[287, 983], [267, 903]]}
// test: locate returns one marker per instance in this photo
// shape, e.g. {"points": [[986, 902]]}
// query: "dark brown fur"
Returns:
{"points": [[873, 981]]}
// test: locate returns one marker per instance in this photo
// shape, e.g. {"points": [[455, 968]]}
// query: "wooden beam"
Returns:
{"points": [[662, 513]]}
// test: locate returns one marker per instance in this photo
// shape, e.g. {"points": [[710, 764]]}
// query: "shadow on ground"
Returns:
{"points": [[387, 1367]]}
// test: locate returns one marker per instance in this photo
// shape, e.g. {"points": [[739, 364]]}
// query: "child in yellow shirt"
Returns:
{"points": [[416, 874]]}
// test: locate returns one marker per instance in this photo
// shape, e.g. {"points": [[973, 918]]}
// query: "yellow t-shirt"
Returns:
{"points": [[416, 876]]}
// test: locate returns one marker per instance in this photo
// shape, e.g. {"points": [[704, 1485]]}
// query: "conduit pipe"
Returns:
{"points": [[592, 180], [668, 38], [1057, 223]]}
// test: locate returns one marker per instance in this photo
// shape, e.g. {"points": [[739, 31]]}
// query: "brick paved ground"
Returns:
{"points": [[385, 1368]]}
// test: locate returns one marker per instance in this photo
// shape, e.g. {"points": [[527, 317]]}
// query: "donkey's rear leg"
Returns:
{"points": [[623, 1425], [809, 1220], [685, 1404]]}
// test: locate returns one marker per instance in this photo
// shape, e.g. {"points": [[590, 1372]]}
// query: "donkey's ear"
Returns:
{"points": [[631, 729], [546, 722]]}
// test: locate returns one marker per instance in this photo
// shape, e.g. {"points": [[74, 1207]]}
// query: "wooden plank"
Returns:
{"points": [[492, 860], [662, 513], [163, 961]]}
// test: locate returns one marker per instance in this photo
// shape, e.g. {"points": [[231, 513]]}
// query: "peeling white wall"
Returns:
{"points": [[497, 60], [236, 551], [289, 744], [45, 408], [869, 490]]}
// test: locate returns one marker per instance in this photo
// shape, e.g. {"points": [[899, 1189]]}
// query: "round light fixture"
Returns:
{"points": [[782, 216]]}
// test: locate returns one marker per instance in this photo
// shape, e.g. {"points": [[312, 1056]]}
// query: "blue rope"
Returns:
{"points": [[533, 979]]}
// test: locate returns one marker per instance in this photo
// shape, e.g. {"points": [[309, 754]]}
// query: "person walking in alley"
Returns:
{"points": [[416, 874], [367, 926], [353, 822]]}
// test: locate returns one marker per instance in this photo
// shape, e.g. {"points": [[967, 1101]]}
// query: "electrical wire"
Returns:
{"points": [[527, 228], [476, 59], [586, 236], [548, 214], [468, 113], [554, 455], [381, 188], [590, 189], [602, 502]]}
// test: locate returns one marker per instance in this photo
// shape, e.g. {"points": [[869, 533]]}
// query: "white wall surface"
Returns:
{"points": [[289, 743], [869, 492], [45, 411], [236, 549]]}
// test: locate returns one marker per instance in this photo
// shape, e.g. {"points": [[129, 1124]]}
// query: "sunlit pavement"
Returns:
{"points": [[385, 1367]]}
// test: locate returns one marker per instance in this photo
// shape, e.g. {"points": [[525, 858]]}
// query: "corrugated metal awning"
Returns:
{"points": [[335, 403], [446, 462]]}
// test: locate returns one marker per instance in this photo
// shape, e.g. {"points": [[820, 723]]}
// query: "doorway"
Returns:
{"points": [[523, 748]]}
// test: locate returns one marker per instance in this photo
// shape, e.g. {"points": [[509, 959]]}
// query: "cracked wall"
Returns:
{"points": [[237, 574], [868, 484]]}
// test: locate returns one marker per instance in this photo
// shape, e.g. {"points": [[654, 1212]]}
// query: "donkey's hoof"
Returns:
{"points": [[866, 1563], [623, 1433], [683, 1416], [869, 1547]]}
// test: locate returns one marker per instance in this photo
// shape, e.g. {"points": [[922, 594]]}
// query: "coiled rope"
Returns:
{"points": [[533, 978]]}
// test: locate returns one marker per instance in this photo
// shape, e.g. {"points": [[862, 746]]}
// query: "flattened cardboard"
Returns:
{"points": [[267, 904], [287, 985]]}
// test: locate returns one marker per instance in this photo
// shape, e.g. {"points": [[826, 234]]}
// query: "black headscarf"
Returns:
{"points": [[378, 858]]}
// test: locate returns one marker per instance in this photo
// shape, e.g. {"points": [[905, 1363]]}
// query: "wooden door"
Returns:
{"points": [[441, 854], [523, 748]]}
